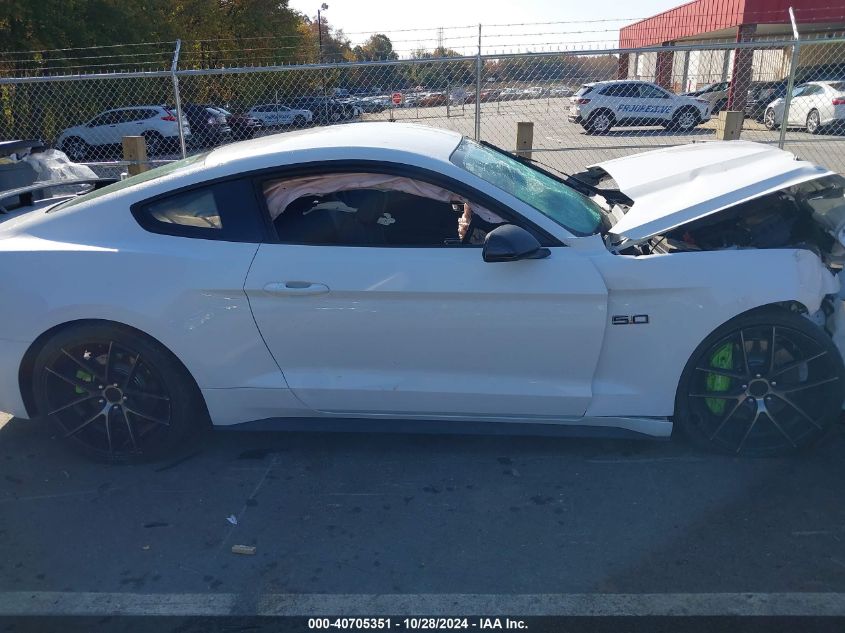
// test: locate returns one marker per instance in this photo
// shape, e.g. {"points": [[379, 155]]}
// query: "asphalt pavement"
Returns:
{"points": [[414, 514]]}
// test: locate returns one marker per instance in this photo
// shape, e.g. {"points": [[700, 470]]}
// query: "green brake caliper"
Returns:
{"points": [[723, 359], [84, 376]]}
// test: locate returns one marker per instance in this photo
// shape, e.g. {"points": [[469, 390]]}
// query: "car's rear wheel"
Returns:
{"points": [[599, 122], [155, 143], [813, 122], [769, 119], [75, 148], [766, 383], [114, 394]]}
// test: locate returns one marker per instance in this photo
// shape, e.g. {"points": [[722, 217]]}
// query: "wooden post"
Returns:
{"points": [[729, 125], [135, 152], [524, 138]]}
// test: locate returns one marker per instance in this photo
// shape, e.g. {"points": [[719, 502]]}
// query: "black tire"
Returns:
{"points": [[154, 409], [299, 121], [155, 143], [599, 122], [813, 123], [684, 120], [76, 149], [769, 119], [735, 396]]}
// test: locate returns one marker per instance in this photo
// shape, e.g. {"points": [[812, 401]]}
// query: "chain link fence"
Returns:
{"points": [[586, 105]]}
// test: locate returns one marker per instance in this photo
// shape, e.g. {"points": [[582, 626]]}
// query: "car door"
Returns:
{"points": [[428, 329], [102, 129], [812, 98], [133, 122], [656, 104], [799, 105], [284, 115]]}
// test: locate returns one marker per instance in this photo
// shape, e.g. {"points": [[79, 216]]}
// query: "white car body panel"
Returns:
{"points": [[676, 185], [403, 332], [432, 330]]}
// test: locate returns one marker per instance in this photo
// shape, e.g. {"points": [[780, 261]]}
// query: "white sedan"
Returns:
{"points": [[815, 106], [398, 272]]}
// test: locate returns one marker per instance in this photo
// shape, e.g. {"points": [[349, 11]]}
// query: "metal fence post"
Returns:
{"points": [[793, 64], [179, 123], [478, 89]]}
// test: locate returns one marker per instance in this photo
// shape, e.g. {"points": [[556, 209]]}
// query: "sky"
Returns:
{"points": [[509, 26]]}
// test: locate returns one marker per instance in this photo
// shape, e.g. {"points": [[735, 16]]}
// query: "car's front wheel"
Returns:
{"points": [[768, 382], [114, 394], [685, 120]]}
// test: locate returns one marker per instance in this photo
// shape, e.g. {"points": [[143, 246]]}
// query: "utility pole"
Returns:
{"points": [[323, 7]]}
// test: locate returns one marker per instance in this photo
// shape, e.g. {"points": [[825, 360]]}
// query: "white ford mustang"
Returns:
{"points": [[380, 270]]}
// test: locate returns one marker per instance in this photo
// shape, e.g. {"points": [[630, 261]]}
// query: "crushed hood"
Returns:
{"points": [[677, 185]]}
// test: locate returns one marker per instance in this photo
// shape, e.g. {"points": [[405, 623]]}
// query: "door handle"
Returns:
{"points": [[295, 288]]}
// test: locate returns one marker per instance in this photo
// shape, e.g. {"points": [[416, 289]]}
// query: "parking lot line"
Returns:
{"points": [[23, 603]]}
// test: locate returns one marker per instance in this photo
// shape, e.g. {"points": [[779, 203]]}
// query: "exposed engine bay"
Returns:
{"points": [[810, 215]]}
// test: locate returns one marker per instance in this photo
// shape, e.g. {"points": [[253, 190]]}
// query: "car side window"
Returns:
{"points": [[128, 116], [366, 209], [107, 118], [219, 211], [621, 90], [652, 92]]}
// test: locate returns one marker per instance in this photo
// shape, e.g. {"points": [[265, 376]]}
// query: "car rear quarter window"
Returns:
{"points": [[224, 210]]}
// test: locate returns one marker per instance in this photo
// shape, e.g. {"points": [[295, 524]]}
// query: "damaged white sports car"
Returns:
{"points": [[391, 271]]}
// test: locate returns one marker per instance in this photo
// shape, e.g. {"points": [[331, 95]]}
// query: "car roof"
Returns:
{"points": [[621, 81], [371, 139]]}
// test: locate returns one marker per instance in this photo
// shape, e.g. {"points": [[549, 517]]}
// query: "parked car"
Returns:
{"points": [[760, 95], [156, 123], [715, 94], [602, 105], [510, 94], [561, 91], [490, 94], [718, 259], [433, 99], [323, 109], [243, 125], [814, 106], [534, 92], [373, 104], [208, 125], [276, 115]]}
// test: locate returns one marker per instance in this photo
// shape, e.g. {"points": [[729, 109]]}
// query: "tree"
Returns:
{"points": [[378, 47]]}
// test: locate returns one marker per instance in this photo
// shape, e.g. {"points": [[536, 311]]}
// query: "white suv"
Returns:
{"points": [[601, 105], [157, 124]]}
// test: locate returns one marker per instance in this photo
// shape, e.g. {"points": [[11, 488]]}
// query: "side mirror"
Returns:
{"points": [[510, 243]]}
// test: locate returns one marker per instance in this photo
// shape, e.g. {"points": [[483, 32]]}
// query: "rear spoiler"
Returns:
{"points": [[25, 196]]}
